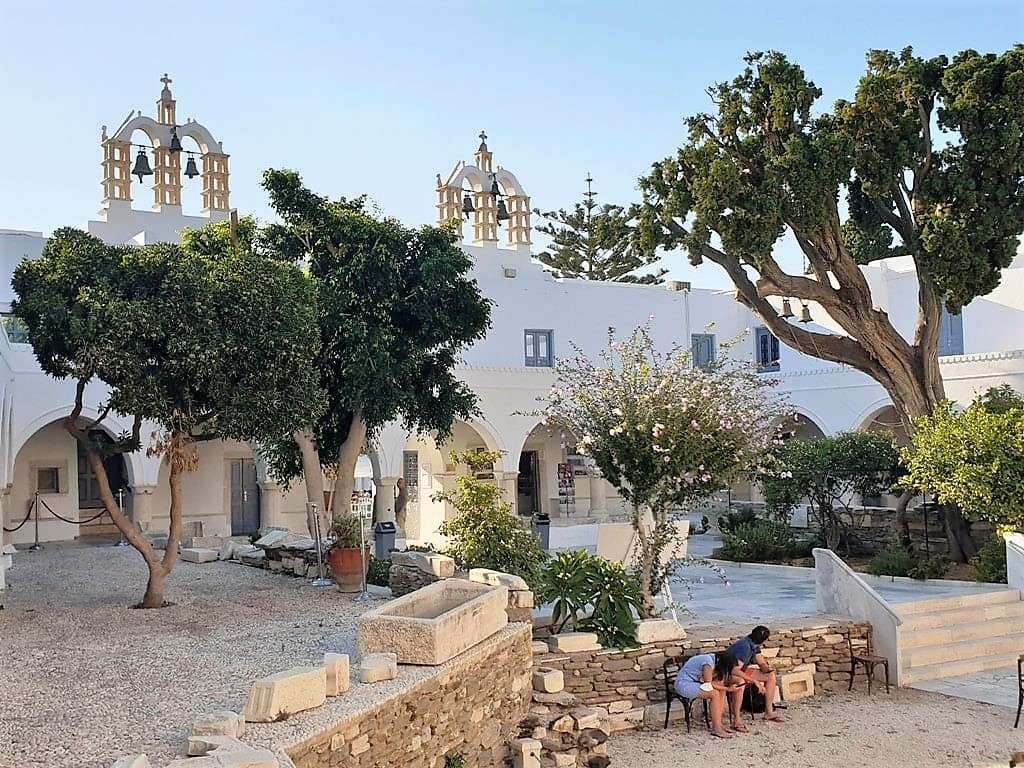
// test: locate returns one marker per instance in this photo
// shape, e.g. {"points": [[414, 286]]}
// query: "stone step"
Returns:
{"points": [[974, 628], [954, 668], [962, 616], [963, 651], [958, 602]]}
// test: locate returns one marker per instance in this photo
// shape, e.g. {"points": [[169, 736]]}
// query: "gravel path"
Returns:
{"points": [[85, 679], [910, 729]]}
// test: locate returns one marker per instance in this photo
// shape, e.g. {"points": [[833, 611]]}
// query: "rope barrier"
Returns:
{"points": [[25, 520], [102, 512]]}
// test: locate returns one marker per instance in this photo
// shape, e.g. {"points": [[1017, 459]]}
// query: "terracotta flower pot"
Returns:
{"points": [[347, 568]]}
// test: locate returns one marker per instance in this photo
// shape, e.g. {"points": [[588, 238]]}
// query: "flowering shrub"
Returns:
{"points": [[662, 431]]}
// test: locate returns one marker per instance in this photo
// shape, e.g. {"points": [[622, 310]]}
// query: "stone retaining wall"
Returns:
{"points": [[470, 707], [624, 684]]}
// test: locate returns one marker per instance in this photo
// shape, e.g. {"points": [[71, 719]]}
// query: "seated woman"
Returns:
{"points": [[713, 676]]}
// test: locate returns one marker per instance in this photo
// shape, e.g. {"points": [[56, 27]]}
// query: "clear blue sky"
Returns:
{"points": [[378, 97]]}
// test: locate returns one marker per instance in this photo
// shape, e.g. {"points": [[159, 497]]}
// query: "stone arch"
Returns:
{"points": [[884, 418], [112, 425], [802, 425]]}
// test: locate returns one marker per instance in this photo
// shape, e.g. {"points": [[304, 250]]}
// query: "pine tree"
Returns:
{"points": [[595, 242]]}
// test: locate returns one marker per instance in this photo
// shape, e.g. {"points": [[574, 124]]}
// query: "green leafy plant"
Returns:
{"points": [[207, 340], [454, 761], [590, 593], [378, 572], [973, 461], [729, 521], [895, 561], [929, 568], [830, 472], [595, 242], [759, 541], [396, 305], [990, 562], [484, 532], [347, 532]]}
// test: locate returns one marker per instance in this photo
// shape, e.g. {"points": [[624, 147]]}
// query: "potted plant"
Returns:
{"points": [[343, 557]]}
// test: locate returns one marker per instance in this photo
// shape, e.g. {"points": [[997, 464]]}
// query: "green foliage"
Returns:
{"points": [[347, 532], [929, 568], [595, 242], [928, 155], [485, 533], [590, 594], [378, 572], [990, 562], [205, 339], [829, 472], [894, 561], [973, 459], [897, 561], [396, 305], [760, 541], [662, 431], [208, 344], [454, 761], [730, 521]]}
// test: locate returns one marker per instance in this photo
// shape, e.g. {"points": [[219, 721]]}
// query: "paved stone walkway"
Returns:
{"points": [[762, 594]]}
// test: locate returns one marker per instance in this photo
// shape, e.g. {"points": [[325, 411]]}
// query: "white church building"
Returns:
{"points": [[535, 319]]}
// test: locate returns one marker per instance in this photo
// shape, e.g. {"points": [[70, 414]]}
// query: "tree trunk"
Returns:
{"points": [[958, 534], [648, 562], [348, 455], [153, 597], [903, 521], [313, 476]]}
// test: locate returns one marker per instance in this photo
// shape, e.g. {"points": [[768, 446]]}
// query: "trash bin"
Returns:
{"points": [[542, 529], [383, 540]]}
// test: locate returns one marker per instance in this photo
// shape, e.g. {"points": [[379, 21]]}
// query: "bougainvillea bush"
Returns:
{"points": [[664, 432]]}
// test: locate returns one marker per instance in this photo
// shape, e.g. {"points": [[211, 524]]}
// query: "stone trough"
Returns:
{"points": [[435, 623]]}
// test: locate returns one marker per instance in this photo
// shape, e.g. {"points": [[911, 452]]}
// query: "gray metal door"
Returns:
{"points": [[245, 497]]}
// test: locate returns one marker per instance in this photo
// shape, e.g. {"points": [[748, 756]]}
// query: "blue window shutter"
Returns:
{"points": [[951, 334]]}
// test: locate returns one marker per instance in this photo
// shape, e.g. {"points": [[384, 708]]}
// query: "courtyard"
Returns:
{"points": [[908, 729], [85, 678]]}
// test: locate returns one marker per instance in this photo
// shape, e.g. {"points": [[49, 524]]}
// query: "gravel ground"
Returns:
{"points": [[85, 679], [910, 729]]}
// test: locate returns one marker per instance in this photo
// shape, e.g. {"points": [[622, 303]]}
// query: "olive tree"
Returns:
{"points": [[395, 307], [206, 342], [664, 432]]}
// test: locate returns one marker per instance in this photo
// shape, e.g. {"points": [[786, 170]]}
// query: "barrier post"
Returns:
{"points": [[321, 580], [36, 546]]}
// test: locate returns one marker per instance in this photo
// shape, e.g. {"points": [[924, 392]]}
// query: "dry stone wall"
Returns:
{"points": [[470, 708], [627, 686]]}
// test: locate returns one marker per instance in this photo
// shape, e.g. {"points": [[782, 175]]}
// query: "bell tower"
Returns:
{"points": [[165, 134], [492, 196], [167, 158]]}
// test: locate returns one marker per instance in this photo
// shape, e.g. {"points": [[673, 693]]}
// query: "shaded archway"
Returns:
{"points": [[51, 466], [886, 420]]}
